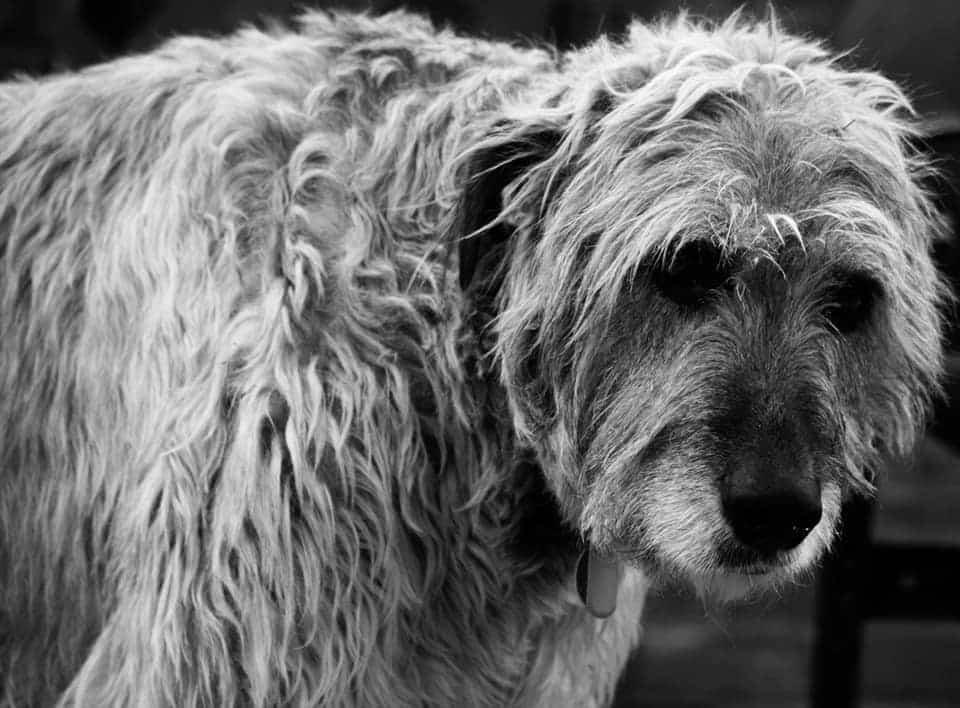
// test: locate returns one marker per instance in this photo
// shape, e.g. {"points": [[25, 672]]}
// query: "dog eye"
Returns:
{"points": [[696, 269], [851, 301]]}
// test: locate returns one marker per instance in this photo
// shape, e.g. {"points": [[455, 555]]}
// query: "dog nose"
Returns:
{"points": [[772, 520]]}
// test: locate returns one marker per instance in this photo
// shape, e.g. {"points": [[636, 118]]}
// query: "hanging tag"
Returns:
{"points": [[598, 580]]}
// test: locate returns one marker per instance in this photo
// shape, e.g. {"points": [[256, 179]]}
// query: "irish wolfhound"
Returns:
{"points": [[327, 354]]}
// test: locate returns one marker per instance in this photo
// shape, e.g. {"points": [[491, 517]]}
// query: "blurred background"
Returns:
{"points": [[898, 642]]}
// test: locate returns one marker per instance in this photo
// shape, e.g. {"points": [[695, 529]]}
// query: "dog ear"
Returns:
{"points": [[483, 235]]}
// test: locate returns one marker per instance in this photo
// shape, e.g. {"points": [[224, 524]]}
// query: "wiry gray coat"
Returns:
{"points": [[256, 448]]}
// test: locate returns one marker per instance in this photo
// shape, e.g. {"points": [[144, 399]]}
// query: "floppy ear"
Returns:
{"points": [[482, 233], [485, 233]]}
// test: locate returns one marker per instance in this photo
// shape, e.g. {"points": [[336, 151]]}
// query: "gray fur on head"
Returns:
{"points": [[324, 351]]}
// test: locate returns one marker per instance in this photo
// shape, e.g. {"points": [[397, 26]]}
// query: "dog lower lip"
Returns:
{"points": [[744, 566], [740, 559], [732, 561], [755, 567]]}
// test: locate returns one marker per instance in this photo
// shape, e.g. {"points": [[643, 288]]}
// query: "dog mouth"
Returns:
{"points": [[726, 554], [724, 568], [758, 570], [733, 556]]}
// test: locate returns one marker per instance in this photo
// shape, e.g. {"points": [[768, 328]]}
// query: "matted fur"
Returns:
{"points": [[268, 439]]}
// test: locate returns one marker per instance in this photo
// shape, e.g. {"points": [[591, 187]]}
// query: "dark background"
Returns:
{"points": [[749, 656]]}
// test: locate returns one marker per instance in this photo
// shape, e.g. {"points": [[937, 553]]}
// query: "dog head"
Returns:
{"points": [[716, 308]]}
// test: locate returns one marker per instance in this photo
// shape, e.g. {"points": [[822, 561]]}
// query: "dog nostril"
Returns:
{"points": [[770, 523]]}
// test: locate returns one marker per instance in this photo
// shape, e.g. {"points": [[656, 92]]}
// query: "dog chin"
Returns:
{"points": [[730, 585], [722, 582]]}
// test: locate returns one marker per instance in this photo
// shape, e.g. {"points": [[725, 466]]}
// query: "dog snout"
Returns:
{"points": [[777, 445], [771, 508]]}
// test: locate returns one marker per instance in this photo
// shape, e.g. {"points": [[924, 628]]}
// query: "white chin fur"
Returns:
{"points": [[717, 583]]}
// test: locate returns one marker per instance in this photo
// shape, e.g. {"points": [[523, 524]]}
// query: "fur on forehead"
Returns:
{"points": [[738, 133]]}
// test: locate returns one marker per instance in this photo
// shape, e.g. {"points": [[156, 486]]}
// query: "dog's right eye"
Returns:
{"points": [[696, 269], [851, 301]]}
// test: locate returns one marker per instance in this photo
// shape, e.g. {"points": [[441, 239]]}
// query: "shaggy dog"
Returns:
{"points": [[327, 354]]}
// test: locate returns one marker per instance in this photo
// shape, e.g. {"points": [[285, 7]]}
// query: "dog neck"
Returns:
{"points": [[541, 539]]}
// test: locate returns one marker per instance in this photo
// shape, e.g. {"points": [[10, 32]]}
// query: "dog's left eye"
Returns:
{"points": [[851, 301], [696, 269]]}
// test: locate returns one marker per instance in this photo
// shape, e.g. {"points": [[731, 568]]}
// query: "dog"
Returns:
{"points": [[367, 364]]}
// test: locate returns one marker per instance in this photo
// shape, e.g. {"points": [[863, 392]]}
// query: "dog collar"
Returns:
{"points": [[598, 580]]}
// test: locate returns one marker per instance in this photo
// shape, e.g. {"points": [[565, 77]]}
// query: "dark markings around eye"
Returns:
{"points": [[851, 300], [696, 269]]}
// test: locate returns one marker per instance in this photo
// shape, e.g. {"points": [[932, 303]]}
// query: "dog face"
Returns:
{"points": [[717, 308]]}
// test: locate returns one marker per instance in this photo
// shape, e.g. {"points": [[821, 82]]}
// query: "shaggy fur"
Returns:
{"points": [[325, 351]]}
